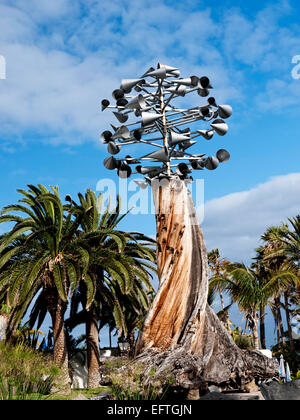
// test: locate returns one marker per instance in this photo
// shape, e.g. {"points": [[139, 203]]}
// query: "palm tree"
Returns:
{"points": [[263, 276], [218, 267], [282, 252], [119, 266], [246, 288], [43, 253], [135, 306]]}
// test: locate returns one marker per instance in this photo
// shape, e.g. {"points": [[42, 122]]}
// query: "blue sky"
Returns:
{"points": [[63, 57]]}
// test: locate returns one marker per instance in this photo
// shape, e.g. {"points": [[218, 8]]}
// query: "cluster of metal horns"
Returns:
{"points": [[151, 107]]}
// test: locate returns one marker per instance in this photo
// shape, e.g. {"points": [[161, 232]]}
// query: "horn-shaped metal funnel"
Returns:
{"points": [[122, 103], [138, 102], [223, 155], [225, 111], [129, 83], [198, 165], [186, 82], [159, 155], [220, 127], [144, 170], [111, 163], [207, 134], [203, 92], [185, 145], [166, 67], [175, 138], [113, 148], [118, 94], [204, 83], [180, 90], [106, 137], [211, 101], [122, 118], [104, 104], [149, 70], [124, 171], [211, 163], [159, 73], [137, 134], [121, 132], [175, 73], [182, 169], [148, 118]]}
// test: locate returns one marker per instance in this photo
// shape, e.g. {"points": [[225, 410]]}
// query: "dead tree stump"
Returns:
{"points": [[182, 336]]}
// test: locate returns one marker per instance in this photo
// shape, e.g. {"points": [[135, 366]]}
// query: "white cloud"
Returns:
{"points": [[235, 222], [280, 95], [43, 9], [63, 57]]}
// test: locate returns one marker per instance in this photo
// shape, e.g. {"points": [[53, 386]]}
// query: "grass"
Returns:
{"points": [[130, 383], [28, 374], [88, 393], [24, 372]]}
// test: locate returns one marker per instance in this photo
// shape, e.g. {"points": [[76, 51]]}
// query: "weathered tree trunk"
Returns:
{"points": [[93, 352], [181, 334], [262, 326]]}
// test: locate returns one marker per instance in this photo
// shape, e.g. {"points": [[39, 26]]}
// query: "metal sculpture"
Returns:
{"points": [[181, 333], [152, 105]]}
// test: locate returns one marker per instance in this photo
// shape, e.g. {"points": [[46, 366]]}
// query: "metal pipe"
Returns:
{"points": [[164, 122]]}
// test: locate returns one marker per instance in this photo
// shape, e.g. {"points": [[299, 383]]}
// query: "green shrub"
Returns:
{"points": [[24, 371], [243, 341], [291, 357], [129, 383], [22, 389]]}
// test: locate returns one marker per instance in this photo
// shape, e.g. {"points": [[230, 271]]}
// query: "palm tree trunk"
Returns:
{"points": [[93, 352], [59, 340], [262, 327], [131, 341], [221, 298], [277, 327], [298, 294], [275, 316], [288, 320], [110, 338], [62, 382], [279, 318], [255, 331], [57, 308]]}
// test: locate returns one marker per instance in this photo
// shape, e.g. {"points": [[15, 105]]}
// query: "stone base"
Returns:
{"points": [[275, 391], [219, 396]]}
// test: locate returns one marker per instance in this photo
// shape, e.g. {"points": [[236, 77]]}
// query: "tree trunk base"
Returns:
{"points": [[220, 361]]}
